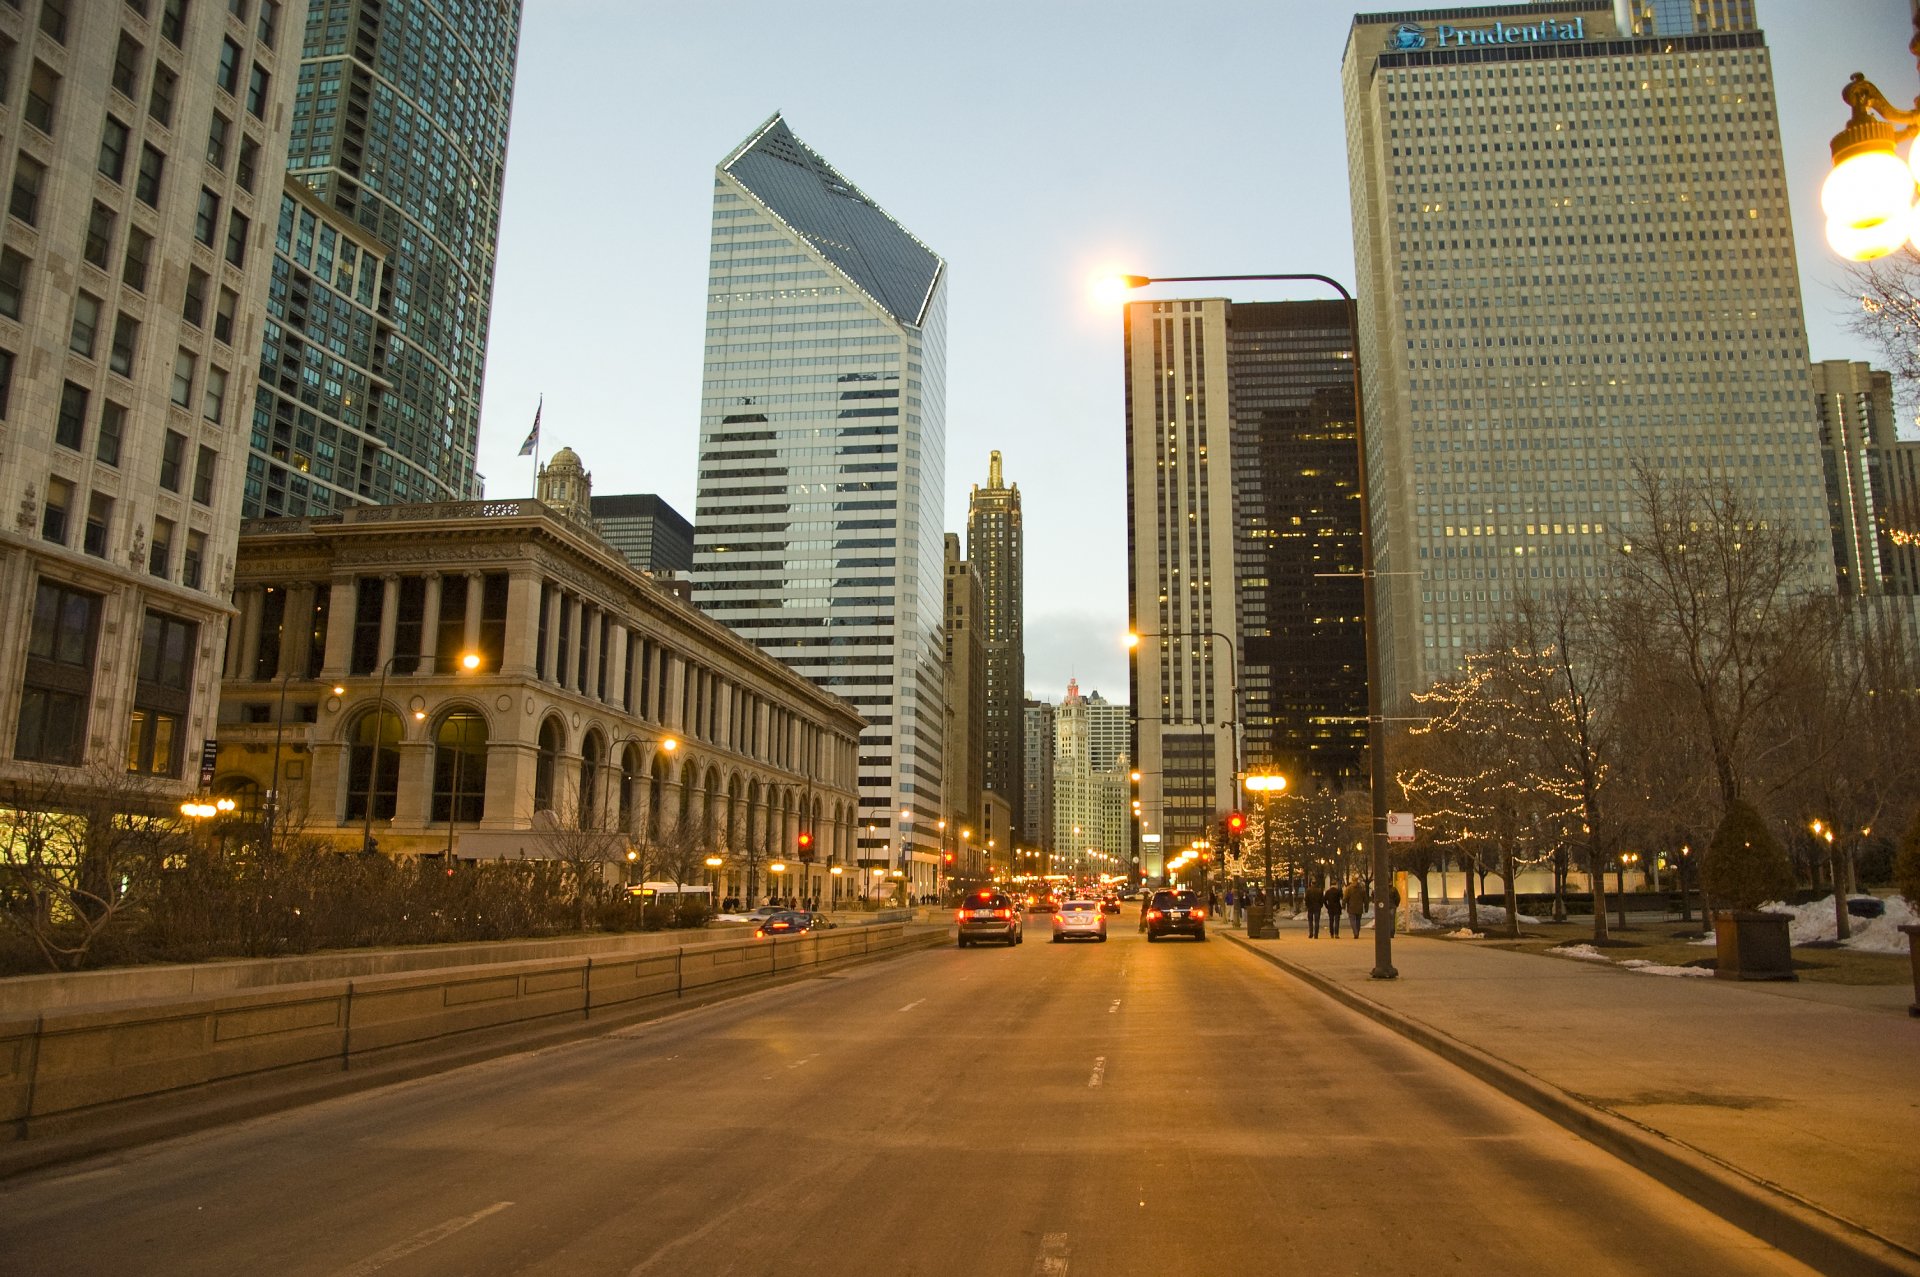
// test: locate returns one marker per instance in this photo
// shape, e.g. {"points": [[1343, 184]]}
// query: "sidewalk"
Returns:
{"points": [[1793, 1109]]}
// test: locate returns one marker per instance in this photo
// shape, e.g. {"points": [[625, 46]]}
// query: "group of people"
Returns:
{"points": [[1332, 897]]}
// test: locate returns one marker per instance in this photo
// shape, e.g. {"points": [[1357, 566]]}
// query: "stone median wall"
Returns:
{"points": [[61, 1065]]}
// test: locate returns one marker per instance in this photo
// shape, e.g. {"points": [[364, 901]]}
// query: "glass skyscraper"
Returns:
{"points": [[376, 336], [817, 524]]}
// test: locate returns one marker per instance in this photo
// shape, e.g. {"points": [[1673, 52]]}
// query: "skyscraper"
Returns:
{"points": [[1036, 797], [966, 691], [817, 524], [1090, 783], [651, 533], [376, 340], [997, 550], [1575, 260], [133, 280], [1873, 480]]}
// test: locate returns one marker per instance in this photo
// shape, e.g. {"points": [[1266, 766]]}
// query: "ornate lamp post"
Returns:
{"points": [[1383, 968], [1868, 196]]}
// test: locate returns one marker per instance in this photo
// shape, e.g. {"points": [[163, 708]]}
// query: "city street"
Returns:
{"points": [[1097, 1109]]}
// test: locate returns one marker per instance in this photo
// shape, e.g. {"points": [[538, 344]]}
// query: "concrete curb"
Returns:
{"points": [[1768, 1211], [241, 1098]]}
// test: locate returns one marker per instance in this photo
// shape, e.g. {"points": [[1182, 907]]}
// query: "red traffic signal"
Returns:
{"points": [[1236, 823], [949, 857], [806, 840]]}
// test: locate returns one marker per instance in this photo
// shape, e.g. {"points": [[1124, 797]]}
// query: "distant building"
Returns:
{"points": [[965, 691], [1036, 745], [1092, 830], [1873, 480], [650, 533], [996, 547]]}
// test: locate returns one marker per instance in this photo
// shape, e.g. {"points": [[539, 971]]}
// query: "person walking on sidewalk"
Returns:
{"points": [[1355, 899], [1316, 896], [1332, 900]]}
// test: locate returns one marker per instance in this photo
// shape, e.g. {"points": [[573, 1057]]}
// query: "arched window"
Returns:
{"points": [[589, 805], [629, 762], [460, 767], [362, 748], [544, 764]]}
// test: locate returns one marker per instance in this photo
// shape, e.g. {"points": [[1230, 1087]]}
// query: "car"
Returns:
{"points": [[1172, 912], [1042, 904], [1079, 918], [987, 914], [788, 922], [758, 915], [1109, 904]]}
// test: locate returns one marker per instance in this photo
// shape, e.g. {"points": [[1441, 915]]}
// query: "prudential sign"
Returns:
{"points": [[1411, 35]]}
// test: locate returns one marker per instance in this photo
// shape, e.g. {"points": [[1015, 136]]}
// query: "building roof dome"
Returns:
{"points": [[565, 459]]}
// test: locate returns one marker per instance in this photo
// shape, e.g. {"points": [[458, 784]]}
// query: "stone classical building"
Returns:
{"points": [[347, 690]]}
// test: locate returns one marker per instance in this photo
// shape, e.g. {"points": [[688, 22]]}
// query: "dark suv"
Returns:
{"points": [[1176, 913], [988, 914]]}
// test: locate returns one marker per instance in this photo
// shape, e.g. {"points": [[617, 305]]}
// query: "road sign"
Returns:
{"points": [[1399, 826]]}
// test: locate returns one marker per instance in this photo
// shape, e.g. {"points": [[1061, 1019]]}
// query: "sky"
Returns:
{"points": [[1036, 146]]}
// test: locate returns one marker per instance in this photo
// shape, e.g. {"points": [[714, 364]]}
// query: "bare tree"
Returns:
{"points": [[589, 858]]}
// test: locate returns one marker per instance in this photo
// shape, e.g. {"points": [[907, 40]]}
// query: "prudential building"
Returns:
{"points": [[1574, 255], [817, 529]]}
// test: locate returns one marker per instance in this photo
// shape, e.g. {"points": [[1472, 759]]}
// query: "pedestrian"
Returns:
{"points": [[1233, 903], [1355, 900], [1316, 896], [1332, 901]]}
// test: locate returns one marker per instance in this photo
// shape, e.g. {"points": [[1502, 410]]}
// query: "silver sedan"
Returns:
{"points": [[1079, 918]]}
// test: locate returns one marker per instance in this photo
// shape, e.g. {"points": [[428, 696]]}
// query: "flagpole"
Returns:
{"points": [[534, 439]]}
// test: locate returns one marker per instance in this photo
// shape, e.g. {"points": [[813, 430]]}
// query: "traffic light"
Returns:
{"points": [[949, 857], [806, 843], [1236, 823]]}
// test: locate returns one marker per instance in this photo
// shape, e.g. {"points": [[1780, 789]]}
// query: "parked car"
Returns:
{"points": [[989, 914], [1176, 913], [789, 922], [1079, 918]]}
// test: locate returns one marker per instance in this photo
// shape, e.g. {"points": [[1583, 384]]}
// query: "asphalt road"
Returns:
{"points": [[1085, 1108]]}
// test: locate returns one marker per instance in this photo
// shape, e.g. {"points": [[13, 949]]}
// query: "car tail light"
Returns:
{"points": [[1153, 914], [1199, 914], [960, 916], [759, 934]]}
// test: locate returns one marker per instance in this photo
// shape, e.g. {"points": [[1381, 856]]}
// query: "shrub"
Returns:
{"points": [[1906, 864], [1745, 865]]}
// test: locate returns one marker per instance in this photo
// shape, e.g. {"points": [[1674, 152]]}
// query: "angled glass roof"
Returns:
{"points": [[837, 218]]}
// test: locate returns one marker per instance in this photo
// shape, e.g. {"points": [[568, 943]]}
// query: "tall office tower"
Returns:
{"points": [[966, 691], [1556, 289], [1036, 789], [997, 549], [376, 342], [133, 281], [1873, 501], [817, 526], [1090, 786], [1684, 17], [652, 535]]}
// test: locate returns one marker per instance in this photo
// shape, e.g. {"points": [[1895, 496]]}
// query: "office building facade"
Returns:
{"points": [[375, 348], [817, 524], [1091, 817], [134, 262], [1574, 260], [652, 535], [1036, 744], [966, 692], [996, 547], [1872, 498]]}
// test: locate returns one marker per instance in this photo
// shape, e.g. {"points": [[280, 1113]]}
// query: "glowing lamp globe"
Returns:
{"points": [[1864, 243], [1866, 188]]}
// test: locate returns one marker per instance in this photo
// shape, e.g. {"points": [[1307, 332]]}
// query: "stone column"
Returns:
{"points": [[591, 684], [675, 678], [340, 619], [617, 666], [556, 599], [430, 624], [389, 614], [523, 625], [476, 600], [252, 609]]}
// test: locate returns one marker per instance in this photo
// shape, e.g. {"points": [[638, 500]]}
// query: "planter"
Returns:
{"points": [[1913, 955], [1752, 946], [1260, 923]]}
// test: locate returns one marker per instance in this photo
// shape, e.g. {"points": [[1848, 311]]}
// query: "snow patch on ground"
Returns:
{"points": [[1417, 921], [1645, 967], [1464, 934], [1490, 916], [1584, 952], [1814, 921]]}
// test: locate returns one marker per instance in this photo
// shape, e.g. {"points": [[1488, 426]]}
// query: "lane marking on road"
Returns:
{"points": [[1099, 1070], [803, 1059], [911, 1005], [1052, 1259], [419, 1241], [1114, 1007]]}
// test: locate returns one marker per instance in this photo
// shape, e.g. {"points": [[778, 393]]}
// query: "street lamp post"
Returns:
{"points": [[1267, 786], [1868, 197], [1383, 968]]}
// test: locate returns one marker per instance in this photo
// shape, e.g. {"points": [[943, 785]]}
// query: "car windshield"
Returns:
{"points": [[988, 902]]}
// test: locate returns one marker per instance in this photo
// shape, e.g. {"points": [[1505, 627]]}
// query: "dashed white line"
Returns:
{"points": [[804, 1059], [1052, 1259], [1099, 1071], [911, 1005], [1114, 1007], [419, 1241]]}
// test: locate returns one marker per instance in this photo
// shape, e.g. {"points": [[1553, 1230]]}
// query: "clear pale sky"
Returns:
{"points": [[1033, 145]]}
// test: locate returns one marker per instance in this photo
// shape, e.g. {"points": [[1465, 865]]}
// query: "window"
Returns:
{"points": [[206, 218], [173, 20], [113, 149], [7, 47], [70, 427], [98, 249], [268, 28], [237, 238], [160, 695], [42, 88], [173, 451], [460, 767], [182, 393], [160, 101], [192, 561], [86, 324], [6, 381], [228, 74], [53, 19], [203, 469], [146, 187], [59, 678], [126, 65], [160, 549], [243, 172], [139, 255], [113, 428], [93, 538], [217, 140], [238, 8], [53, 516], [29, 176], [258, 82], [375, 739], [223, 316], [213, 405], [13, 282], [194, 308], [126, 336]]}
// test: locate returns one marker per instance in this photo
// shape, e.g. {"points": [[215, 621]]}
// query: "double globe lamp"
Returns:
{"points": [[1869, 196]]}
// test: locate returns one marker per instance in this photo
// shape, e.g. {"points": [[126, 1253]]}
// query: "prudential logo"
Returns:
{"points": [[1408, 35]]}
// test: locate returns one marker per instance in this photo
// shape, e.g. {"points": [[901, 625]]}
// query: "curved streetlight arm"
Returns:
{"points": [[1141, 281]]}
